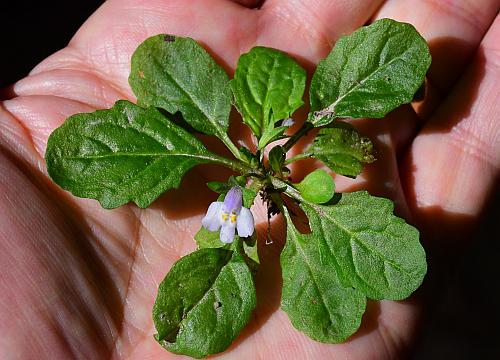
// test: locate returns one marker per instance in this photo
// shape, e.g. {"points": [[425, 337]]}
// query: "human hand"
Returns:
{"points": [[81, 280]]}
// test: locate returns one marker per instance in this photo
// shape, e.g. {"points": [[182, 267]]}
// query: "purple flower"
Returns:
{"points": [[229, 216], [288, 122]]}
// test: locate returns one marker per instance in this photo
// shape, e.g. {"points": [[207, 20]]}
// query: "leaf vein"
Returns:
{"points": [[354, 237], [330, 110], [315, 281], [195, 102]]}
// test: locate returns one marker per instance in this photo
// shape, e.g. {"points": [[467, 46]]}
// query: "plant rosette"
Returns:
{"points": [[357, 249]]}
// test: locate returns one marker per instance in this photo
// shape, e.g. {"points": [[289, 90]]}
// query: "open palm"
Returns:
{"points": [[79, 281]]}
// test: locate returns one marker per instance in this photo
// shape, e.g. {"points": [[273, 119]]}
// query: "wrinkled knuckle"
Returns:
{"points": [[470, 143]]}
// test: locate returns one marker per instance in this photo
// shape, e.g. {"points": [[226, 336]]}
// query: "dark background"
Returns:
{"points": [[462, 291], [31, 30]]}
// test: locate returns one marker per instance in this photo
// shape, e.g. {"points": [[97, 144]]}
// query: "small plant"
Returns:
{"points": [[356, 248]]}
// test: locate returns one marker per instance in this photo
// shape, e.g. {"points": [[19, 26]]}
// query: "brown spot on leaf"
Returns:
{"points": [[141, 74], [169, 38]]}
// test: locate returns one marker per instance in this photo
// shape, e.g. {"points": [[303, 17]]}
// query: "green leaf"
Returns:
{"points": [[122, 154], [271, 134], [204, 302], [277, 157], [218, 187], [376, 252], [211, 239], [313, 296], [249, 157], [237, 181], [250, 248], [268, 86], [369, 73], [317, 187], [177, 74], [340, 147], [208, 239], [224, 187], [248, 197]]}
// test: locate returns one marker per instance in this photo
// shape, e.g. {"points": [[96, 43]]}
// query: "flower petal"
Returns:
{"points": [[212, 220], [233, 200], [245, 223], [227, 232], [288, 122]]}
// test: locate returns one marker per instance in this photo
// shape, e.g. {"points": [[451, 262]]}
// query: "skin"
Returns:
{"points": [[79, 281]]}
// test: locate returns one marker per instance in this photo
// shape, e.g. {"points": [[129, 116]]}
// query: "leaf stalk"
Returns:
{"points": [[306, 126], [297, 157]]}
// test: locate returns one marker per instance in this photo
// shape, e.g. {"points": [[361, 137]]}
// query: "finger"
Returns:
{"points": [[454, 162], [308, 29], [453, 30], [40, 115], [386, 329], [51, 278], [78, 85], [107, 40]]}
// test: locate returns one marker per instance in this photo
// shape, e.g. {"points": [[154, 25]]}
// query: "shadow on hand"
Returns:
{"points": [[443, 73], [461, 293], [193, 196], [382, 177], [438, 226], [68, 262], [457, 256], [268, 280]]}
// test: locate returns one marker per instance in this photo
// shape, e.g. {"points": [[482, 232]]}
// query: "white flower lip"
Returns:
{"points": [[229, 216]]}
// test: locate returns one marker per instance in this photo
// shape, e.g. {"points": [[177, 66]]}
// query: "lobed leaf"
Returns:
{"points": [[122, 154]]}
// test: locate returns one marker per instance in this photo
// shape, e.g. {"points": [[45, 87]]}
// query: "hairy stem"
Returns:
{"points": [[295, 137], [230, 145], [288, 189], [297, 157], [237, 166]]}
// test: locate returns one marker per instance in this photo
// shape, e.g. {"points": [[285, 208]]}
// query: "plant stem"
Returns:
{"points": [[230, 145], [297, 157], [279, 202], [289, 189], [235, 165], [295, 137], [292, 192]]}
